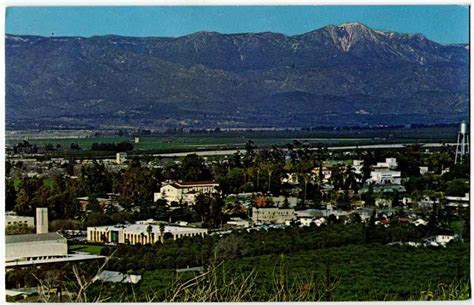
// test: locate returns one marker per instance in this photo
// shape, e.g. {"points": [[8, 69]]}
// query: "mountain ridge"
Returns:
{"points": [[343, 74]]}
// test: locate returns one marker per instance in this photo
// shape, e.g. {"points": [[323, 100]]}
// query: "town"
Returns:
{"points": [[141, 223]]}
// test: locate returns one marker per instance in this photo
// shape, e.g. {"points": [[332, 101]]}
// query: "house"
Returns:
{"points": [[185, 192], [140, 233], [272, 215]]}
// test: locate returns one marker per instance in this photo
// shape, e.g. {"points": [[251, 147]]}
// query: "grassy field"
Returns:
{"points": [[92, 249]]}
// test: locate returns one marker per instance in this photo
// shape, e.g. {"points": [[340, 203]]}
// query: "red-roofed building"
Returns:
{"points": [[185, 191]]}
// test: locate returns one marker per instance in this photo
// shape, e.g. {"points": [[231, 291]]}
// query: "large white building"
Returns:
{"points": [[272, 215], [379, 176], [185, 192], [35, 247], [40, 248], [383, 173], [140, 233]]}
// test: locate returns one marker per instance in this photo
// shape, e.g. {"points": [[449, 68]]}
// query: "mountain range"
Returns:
{"points": [[339, 75]]}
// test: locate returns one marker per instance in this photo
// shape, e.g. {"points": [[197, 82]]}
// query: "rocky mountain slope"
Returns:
{"points": [[337, 75]]}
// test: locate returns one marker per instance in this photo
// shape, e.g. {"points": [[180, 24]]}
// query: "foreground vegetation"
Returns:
{"points": [[332, 263]]}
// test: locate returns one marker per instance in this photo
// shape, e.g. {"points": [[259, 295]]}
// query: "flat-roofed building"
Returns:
{"points": [[11, 219], [185, 192], [272, 215], [34, 247], [457, 201], [140, 233]]}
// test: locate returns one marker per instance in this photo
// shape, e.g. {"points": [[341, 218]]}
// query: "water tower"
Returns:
{"points": [[462, 147]]}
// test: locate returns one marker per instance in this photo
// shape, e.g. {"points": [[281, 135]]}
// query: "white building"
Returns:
{"points": [[185, 192], [291, 179], [11, 219], [140, 233], [35, 247], [457, 201], [325, 171], [423, 170], [440, 239], [120, 157], [390, 163], [39, 248], [272, 215], [379, 176], [238, 222], [307, 221], [357, 166]]}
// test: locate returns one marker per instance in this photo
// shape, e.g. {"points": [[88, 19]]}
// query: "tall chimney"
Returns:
{"points": [[41, 220]]}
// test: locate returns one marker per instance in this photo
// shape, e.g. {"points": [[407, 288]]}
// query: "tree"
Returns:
{"points": [[10, 195], [149, 229], [193, 168], [337, 177], [138, 184], [162, 232], [94, 180], [209, 208], [457, 187], [370, 229]]}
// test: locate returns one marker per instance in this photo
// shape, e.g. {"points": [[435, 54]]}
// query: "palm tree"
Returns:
{"points": [[258, 178], [270, 171], [162, 231], [148, 230]]}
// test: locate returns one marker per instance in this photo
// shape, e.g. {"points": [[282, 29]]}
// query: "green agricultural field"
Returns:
{"points": [[193, 141]]}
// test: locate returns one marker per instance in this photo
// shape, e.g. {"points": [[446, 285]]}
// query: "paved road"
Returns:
{"points": [[209, 153]]}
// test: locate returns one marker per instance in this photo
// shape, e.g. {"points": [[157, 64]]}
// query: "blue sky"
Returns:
{"points": [[444, 24]]}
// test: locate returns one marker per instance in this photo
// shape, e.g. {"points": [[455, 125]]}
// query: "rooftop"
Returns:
{"points": [[25, 238], [142, 228], [195, 183]]}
